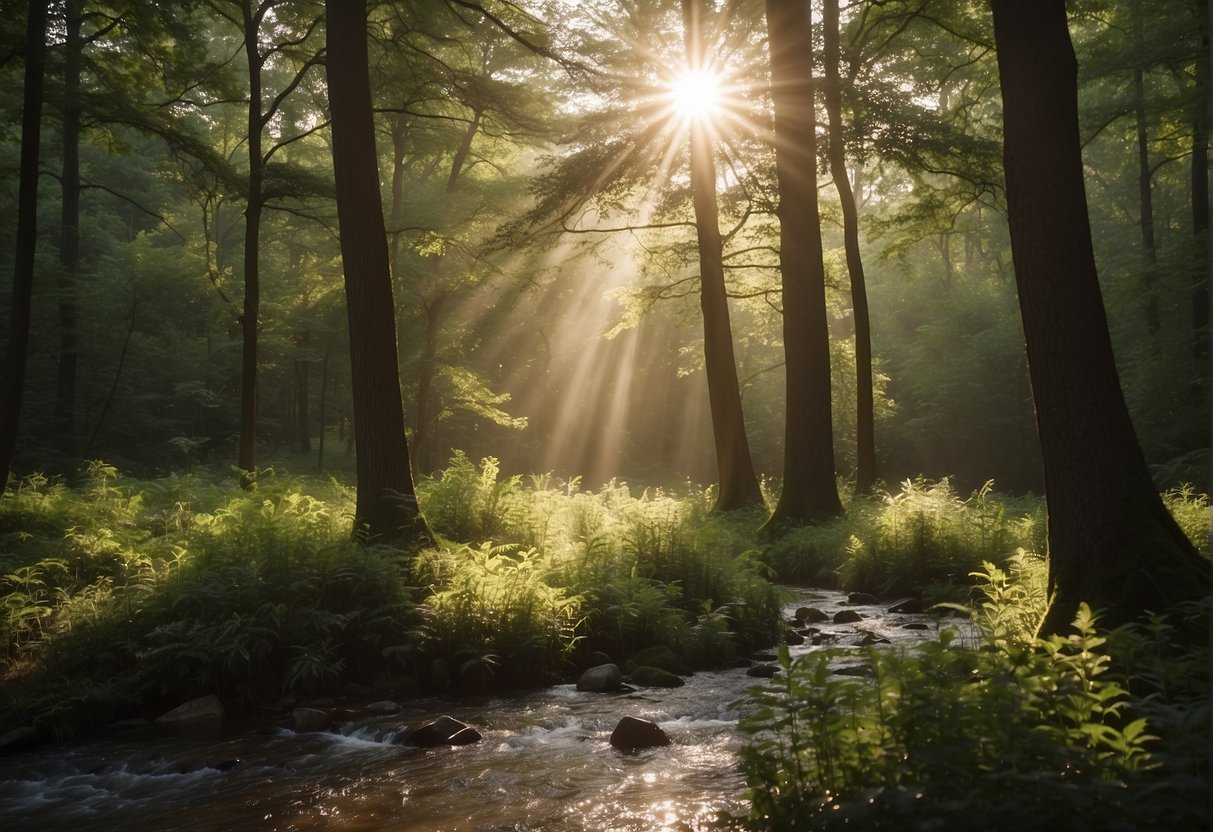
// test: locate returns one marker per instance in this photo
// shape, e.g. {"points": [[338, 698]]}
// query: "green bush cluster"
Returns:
{"points": [[1019, 732], [129, 595], [922, 539]]}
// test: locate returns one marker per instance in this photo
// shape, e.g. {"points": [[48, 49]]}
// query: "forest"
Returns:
{"points": [[442, 354]]}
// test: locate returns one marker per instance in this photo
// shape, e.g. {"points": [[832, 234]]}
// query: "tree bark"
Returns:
{"points": [[303, 394], [734, 465], [27, 236], [1112, 542], [250, 314], [810, 492], [1200, 191], [69, 239], [865, 428], [386, 509]]}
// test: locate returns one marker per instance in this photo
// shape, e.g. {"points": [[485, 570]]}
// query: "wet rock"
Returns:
{"points": [[632, 734], [869, 639], [847, 617], [602, 678], [915, 625], [824, 638], [809, 631], [763, 657], [655, 677], [742, 663], [810, 615], [17, 739], [310, 719], [384, 706], [911, 606], [763, 671], [856, 670], [661, 657], [196, 710], [862, 599], [445, 730], [792, 638]]}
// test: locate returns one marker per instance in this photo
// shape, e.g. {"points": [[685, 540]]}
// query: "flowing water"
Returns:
{"points": [[544, 763]]}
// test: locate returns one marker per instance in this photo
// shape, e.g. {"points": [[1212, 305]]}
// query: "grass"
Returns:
{"points": [[1090, 731]]}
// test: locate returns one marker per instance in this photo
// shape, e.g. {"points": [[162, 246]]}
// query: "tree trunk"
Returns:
{"points": [[810, 492], [1200, 191], [69, 241], [735, 468], [250, 314], [424, 452], [27, 236], [1145, 196], [324, 389], [386, 509], [1112, 543], [865, 430], [302, 394]]}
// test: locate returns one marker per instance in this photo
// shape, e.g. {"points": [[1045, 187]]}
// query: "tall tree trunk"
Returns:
{"points": [[302, 394], [810, 492], [324, 389], [69, 240], [425, 451], [1112, 543], [386, 508], [865, 429], [734, 465], [1200, 190], [1145, 196], [27, 236], [250, 315]]}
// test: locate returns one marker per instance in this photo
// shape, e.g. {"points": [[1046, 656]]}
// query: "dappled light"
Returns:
{"points": [[553, 415]]}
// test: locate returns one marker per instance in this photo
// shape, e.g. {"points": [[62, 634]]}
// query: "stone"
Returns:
{"points": [[847, 617], [632, 734], [445, 730], [792, 638], [310, 719], [811, 615], [910, 606], [742, 663], [871, 638], [661, 657], [384, 706], [915, 625], [655, 677], [604, 677], [763, 671], [763, 657], [862, 599], [856, 670], [17, 739], [196, 710]]}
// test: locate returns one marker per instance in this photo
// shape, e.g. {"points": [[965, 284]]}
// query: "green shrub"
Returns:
{"points": [[1019, 732]]}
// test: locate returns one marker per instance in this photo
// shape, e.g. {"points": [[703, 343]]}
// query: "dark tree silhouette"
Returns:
{"points": [[27, 236], [865, 427], [386, 509], [734, 465], [810, 492], [1112, 542]]}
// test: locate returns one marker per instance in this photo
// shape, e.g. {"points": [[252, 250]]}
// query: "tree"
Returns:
{"points": [[386, 509], [865, 428], [738, 482], [27, 235], [1112, 543], [810, 492]]}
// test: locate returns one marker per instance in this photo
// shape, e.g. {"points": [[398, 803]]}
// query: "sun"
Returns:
{"points": [[696, 94]]}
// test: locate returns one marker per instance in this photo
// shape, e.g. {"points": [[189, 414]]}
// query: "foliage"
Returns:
{"points": [[921, 539], [129, 595], [1019, 732]]}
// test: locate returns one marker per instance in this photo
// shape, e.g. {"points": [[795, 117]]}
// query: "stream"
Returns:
{"points": [[544, 762]]}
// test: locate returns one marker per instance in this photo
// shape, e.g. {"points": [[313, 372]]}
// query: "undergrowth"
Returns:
{"points": [[1090, 731]]}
